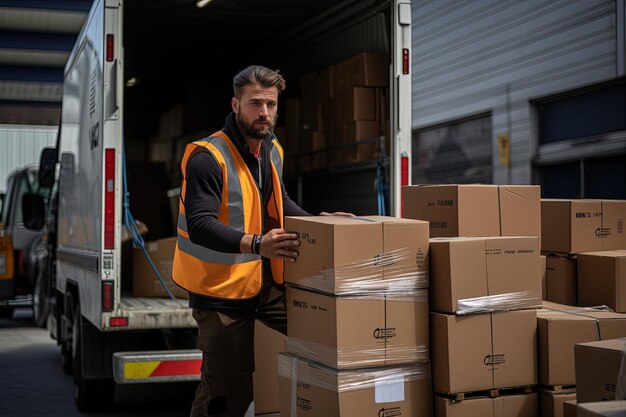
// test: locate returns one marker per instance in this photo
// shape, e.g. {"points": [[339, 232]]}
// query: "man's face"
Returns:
{"points": [[256, 110]]}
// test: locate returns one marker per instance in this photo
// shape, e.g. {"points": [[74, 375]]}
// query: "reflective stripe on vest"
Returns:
{"points": [[208, 255]]}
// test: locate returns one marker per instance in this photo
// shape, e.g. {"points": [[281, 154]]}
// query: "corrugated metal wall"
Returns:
{"points": [[21, 145], [493, 56]]}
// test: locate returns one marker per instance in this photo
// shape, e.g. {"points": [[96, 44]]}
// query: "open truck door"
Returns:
{"points": [[400, 95]]}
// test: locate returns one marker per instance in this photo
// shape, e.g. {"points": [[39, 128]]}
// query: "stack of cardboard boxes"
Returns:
{"points": [[572, 227], [584, 242], [484, 289], [357, 308], [338, 107]]}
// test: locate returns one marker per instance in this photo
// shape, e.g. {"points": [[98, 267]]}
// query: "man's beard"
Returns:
{"points": [[250, 131]]}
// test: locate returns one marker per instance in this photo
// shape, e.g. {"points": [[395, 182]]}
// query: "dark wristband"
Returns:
{"points": [[256, 244], [252, 244]]}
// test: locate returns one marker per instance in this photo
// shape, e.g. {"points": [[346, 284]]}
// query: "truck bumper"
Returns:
{"points": [[157, 366]]}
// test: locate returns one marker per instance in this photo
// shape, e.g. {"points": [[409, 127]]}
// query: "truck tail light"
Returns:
{"points": [[6, 256], [107, 296], [109, 199], [404, 179], [405, 61], [110, 49], [118, 321]]}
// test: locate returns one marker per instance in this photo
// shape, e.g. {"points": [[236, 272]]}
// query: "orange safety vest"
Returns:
{"points": [[229, 275]]}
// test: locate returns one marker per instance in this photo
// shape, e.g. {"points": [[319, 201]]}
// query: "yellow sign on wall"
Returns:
{"points": [[504, 150]]}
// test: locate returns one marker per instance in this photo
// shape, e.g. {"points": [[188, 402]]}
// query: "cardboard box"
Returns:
{"points": [[519, 405], [560, 327], [464, 268], [361, 131], [357, 332], [602, 279], [574, 226], [324, 392], [268, 343], [597, 368], [561, 281], [405, 252], [454, 210], [551, 402], [145, 281], [358, 103], [481, 352], [544, 289], [520, 210], [570, 409], [366, 70], [475, 210], [337, 253], [602, 409]]}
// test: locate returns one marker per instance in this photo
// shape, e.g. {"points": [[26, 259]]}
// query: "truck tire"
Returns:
{"points": [[66, 336], [41, 303], [89, 394]]}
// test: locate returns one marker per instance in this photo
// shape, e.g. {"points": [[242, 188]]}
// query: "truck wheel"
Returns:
{"points": [[41, 304], [67, 327], [89, 394]]}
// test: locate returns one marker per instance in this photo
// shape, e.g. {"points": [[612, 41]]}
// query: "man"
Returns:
{"points": [[231, 242]]}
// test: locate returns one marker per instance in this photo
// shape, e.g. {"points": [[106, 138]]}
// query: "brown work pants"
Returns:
{"points": [[226, 340]]}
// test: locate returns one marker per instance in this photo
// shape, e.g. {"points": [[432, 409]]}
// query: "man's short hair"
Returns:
{"points": [[257, 74]]}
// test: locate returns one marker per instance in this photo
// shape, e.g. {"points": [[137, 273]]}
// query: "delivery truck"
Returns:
{"points": [[144, 78]]}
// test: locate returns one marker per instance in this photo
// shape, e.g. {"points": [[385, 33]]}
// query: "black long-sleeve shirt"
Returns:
{"points": [[203, 201]]}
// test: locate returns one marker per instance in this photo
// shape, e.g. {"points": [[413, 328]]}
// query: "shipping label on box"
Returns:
{"points": [[353, 332], [309, 389], [472, 275], [518, 405], [598, 365], [602, 279], [496, 357]]}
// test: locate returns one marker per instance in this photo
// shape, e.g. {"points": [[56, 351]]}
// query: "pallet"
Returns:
{"points": [[490, 393], [557, 389]]}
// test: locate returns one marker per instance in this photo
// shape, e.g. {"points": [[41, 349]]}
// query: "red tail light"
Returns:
{"points": [[118, 321], [405, 61], [404, 176], [404, 179], [109, 199], [107, 296], [110, 49]]}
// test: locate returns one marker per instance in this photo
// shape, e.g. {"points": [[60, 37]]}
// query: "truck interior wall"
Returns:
{"points": [[184, 61]]}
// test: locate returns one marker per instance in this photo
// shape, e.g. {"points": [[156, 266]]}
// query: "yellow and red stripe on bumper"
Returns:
{"points": [[158, 366]]}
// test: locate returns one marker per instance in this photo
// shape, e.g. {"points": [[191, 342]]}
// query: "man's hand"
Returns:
{"points": [[337, 213], [278, 244]]}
